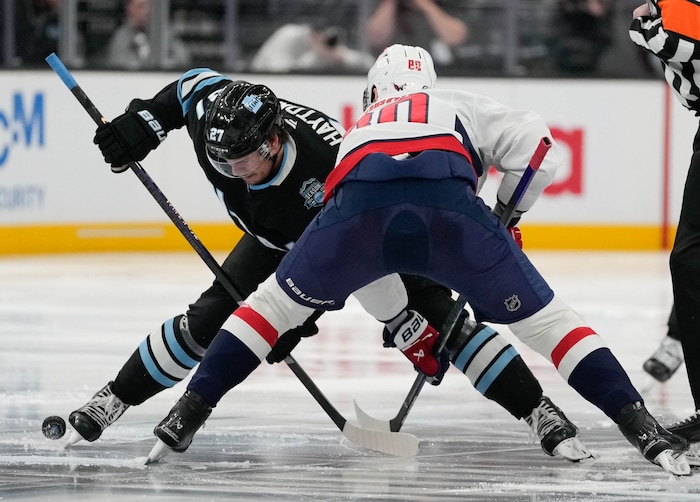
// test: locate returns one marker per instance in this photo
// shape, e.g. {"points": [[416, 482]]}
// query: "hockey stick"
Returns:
{"points": [[395, 424], [395, 444]]}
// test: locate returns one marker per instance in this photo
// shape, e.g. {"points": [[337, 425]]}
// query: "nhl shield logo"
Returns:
{"points": [[312, 192], [512, 304]]}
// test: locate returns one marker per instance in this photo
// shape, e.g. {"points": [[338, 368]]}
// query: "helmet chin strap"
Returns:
{"points": [[265, 152]]}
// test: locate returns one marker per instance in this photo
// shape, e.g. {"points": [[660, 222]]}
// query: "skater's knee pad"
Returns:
{"points": [[559, 334], [481, 354], [170, 352]]}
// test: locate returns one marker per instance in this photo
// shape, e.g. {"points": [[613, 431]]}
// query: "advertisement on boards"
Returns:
{"points": [[611, 134]]}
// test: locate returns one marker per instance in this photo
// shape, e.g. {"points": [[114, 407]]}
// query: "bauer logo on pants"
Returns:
{"points": [[304, 297]]}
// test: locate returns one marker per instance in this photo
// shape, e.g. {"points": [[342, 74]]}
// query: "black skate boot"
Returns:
{"points": [[666, 360], [184, 420], [101, 411], [688, 428], [557, 434], [658, 445]]}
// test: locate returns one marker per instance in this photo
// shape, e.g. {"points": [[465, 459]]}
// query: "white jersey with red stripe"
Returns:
{"points": [[486, 132]]}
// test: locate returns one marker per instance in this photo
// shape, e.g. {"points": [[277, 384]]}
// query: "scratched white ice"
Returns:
{"points": [[68, 323]]}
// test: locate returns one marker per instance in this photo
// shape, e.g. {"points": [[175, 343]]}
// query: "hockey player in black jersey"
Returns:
{"points": [[267, 160]]}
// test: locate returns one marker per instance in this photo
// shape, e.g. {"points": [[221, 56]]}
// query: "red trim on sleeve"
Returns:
{"points": [[258, 323], [571, 339]]}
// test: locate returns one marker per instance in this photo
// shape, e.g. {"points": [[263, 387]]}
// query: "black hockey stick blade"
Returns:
{"points": [[395, 424]]}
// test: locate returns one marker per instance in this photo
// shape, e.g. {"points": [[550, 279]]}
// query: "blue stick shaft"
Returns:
{"points": [[61, 70], [542, 148], [65, 75]]}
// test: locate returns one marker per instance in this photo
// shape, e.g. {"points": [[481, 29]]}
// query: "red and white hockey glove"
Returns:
{"points": [[412, 335], [516, 235]]}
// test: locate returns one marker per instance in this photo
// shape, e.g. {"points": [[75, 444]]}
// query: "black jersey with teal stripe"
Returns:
{"points": [[276, 212]]}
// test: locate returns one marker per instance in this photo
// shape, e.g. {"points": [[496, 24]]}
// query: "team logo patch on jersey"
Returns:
{"points": [[312, 192], [512, 304]]}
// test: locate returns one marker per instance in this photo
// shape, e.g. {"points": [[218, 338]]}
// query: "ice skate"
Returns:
{"points": [[664, 363], [558, 436], [184, 419], [658, 445], [101, 411], [689, 428]]}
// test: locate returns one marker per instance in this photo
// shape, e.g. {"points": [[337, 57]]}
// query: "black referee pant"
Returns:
{"points": [[685, 272]]}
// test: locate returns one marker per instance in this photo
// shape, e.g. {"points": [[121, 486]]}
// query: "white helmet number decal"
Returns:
{"points": [[415, 64], [215, 134]]}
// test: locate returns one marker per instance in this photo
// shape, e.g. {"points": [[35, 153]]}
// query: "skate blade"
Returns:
{"points": [[693, 459], [573, 449], [674, 463], [158, 452], [73, 438], [693, 455]]}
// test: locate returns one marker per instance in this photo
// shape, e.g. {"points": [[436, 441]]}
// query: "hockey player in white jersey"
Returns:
{"points": [[402, 199], [283, 152]]}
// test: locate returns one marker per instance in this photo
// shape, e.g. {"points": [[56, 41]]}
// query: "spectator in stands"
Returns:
{"points": [[308, 47], [582, 32], [44, 34], [426, 23], [130, 47]]}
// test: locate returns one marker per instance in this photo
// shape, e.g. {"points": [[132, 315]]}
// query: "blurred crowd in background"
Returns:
{"points": [[491, 38]]}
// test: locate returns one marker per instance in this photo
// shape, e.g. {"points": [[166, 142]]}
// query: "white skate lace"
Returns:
{"points": [[692, 418], [669, 353], [104, 408], [544, 419]]}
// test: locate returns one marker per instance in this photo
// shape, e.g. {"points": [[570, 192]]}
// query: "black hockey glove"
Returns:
{"points": [[288, 340], [130, 136], [498, 211]]}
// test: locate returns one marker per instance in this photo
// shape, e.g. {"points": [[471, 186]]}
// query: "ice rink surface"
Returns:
{"points": [[68, 323]]}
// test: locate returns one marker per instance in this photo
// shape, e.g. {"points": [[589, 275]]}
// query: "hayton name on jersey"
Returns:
{"points": [[331, 134]]}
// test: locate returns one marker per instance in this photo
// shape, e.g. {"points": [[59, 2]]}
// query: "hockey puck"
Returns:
{"points": [[53, 427]]}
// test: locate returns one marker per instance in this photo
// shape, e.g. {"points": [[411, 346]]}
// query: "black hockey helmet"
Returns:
{"points": [[240, 120]]}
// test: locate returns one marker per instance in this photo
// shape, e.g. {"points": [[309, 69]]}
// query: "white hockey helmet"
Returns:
{"points": [[399, 69]]}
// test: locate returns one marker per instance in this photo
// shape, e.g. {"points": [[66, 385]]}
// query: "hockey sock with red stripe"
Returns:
{"points": [[601, 380], [227, 363]]}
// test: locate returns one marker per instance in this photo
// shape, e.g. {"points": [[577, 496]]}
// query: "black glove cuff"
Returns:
{"points": [[130, 136], [150, 123], [498, 211], [288, 340]]}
